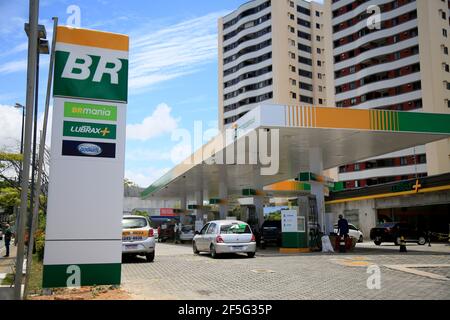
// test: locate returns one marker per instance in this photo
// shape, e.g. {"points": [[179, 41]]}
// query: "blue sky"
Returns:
{"points": [[173, 70]]}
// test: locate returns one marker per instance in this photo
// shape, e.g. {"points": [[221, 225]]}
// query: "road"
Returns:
{"points": [[177, 273]]}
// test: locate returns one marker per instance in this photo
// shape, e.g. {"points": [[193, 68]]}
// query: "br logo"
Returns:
{"points": [[78, 67], [74, 279]]}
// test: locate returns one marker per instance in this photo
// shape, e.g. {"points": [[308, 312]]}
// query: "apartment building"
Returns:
{"points": [[401, 62], [271, 51]]}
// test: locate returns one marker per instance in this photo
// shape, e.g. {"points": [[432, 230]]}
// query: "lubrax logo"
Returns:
{"points": [[89, 130], [90, 111]]}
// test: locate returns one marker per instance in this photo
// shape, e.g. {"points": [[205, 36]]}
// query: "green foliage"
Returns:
{"points": [[9, 197], [10, 157], [275, 216], [141, 213]]}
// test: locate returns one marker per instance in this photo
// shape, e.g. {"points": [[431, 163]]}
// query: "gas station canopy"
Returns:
{"points": [[340, 135]]}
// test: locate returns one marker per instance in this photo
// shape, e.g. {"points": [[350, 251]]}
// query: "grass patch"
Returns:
{"points": [[9, 279], [35, 281]]}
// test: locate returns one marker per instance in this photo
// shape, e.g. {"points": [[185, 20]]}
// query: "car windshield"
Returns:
{"points": [[272, 224], [387, 225], [234, 228], [134, 223], [186, 229]]}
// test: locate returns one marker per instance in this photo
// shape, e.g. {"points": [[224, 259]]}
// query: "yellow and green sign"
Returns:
{"points": [[90, 111], [89, 130]]}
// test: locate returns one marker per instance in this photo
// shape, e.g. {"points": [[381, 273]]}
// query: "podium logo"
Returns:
{"points": [[99, 77], [89, 130], [88, 149]]}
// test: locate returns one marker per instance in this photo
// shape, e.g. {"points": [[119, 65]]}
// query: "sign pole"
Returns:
{"points": [[31, 85], [40, 168]]}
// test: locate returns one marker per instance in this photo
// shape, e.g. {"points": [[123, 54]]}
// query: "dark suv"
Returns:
{"points": [[392, 231], [270, 233]]}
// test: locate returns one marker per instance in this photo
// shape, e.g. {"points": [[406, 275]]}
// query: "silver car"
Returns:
{"points": [[225, 236], [138, 237]]}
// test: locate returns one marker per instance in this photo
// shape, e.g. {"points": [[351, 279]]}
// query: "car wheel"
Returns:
{"points": [[361, 239], [150, 256], [377, 243], [251, 254], [194, 248], [422, 241], [213, 252]]}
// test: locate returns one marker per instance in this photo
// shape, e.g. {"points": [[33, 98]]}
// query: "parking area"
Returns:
{"points": [[177, 273]]}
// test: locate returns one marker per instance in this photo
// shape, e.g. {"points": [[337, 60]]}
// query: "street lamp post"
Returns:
{"points": [[19, 106], [25, 175]]}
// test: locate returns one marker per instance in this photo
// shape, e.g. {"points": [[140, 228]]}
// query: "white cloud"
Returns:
{"points": [[149, 154], [173, 51], [159, 123], [145, 177], [11, 126], [13, 66]]}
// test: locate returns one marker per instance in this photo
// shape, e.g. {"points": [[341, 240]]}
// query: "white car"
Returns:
{"points": [[187, 233], [225, 236], [138, 237], [354, 232]]}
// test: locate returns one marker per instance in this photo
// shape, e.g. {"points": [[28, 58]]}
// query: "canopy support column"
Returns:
{"points": [[317, 188], [223, 195]]}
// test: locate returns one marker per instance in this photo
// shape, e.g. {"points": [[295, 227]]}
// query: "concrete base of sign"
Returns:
{"points": [[295, 250], [294, 240]]}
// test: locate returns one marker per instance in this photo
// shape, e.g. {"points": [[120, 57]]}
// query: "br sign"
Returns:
{"points": [[84, 231]]}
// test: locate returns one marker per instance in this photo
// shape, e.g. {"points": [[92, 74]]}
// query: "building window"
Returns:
{"points": [[291, 16], [319, 51], [292, 68], [306, 99], [291, 55], [293, 95], [318, 26], [291, 29], [318, 38], [319, 63], [444, 32], [320, 101], [317, 14], [293, 81]]}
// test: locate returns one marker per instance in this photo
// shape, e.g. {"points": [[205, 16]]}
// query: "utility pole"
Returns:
{"points": [[41, 157], [31, 82]]}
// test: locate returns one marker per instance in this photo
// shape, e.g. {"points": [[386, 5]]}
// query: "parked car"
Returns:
{"points": [[392, 231], [271, 233], [225, 236], [166, 232], [354, 232], [138, 237], [187, 233]]}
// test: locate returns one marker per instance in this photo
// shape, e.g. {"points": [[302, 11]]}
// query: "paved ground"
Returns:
{"points": [[6, 264], [178, 274]]}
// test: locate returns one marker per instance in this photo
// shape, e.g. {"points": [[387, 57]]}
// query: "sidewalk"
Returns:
{"points": [[6, 267]]}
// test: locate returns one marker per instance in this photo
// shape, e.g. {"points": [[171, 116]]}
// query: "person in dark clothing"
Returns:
{"points": [[7, 236], [343, 228]]}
